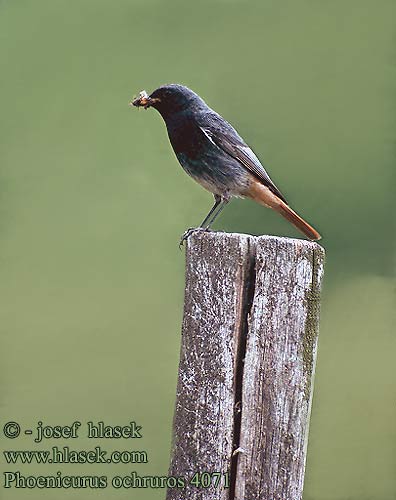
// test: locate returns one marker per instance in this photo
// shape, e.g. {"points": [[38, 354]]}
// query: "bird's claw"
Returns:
{"points": [[188, 233]]}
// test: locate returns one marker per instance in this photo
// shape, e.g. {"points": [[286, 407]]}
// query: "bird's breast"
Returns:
{"points": [[186, 138], [210, 166]]}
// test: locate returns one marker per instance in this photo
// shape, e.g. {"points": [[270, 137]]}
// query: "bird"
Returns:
{"points": [[212, 152]]}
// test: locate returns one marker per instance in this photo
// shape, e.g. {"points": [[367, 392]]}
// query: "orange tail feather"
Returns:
{"points": [[263, 195], [298, 221]]}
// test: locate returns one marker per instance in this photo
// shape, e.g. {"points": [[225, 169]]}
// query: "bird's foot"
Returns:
{"points": [[189, 232]]}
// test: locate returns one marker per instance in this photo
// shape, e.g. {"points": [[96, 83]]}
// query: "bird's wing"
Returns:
{"points": [[224, 136]]}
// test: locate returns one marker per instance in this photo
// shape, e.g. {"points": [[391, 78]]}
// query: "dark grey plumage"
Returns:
{"points": [[212, 152], [206, 145]]}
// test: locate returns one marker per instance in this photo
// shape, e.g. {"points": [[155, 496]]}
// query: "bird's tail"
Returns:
{"points": [[298, 221], [263, 195]]}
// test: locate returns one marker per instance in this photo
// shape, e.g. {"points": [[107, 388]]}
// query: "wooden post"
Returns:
{"points": [[247, 364]]}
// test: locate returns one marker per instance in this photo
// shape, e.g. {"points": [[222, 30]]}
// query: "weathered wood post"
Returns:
{"points": [[247, 364]]}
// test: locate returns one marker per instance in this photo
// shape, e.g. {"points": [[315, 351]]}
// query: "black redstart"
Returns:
{"points": [[211, 151]]}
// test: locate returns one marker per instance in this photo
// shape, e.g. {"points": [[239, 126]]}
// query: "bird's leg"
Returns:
{"points": [[203, 226], [220, 203], [207, 222]]}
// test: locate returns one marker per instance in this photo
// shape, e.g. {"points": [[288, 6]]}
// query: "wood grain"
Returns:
{"points": [[203, 440], [247, 363], [279, 369]]}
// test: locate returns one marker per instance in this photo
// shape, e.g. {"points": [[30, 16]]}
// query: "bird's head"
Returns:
{"points": [[168, 99]]}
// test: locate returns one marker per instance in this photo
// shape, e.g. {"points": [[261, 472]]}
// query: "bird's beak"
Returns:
{"points": [[143, 101]]}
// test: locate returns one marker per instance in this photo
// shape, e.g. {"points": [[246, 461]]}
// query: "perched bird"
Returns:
{"points": [[211, 151]]}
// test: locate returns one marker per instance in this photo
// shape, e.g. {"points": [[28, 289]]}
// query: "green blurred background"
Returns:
{"points": [[92, 204]]}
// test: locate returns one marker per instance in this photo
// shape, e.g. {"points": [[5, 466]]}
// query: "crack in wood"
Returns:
{"points": [[248, 295]]}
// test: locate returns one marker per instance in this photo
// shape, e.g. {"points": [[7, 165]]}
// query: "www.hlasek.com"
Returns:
{"points": [[67, 456]]}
